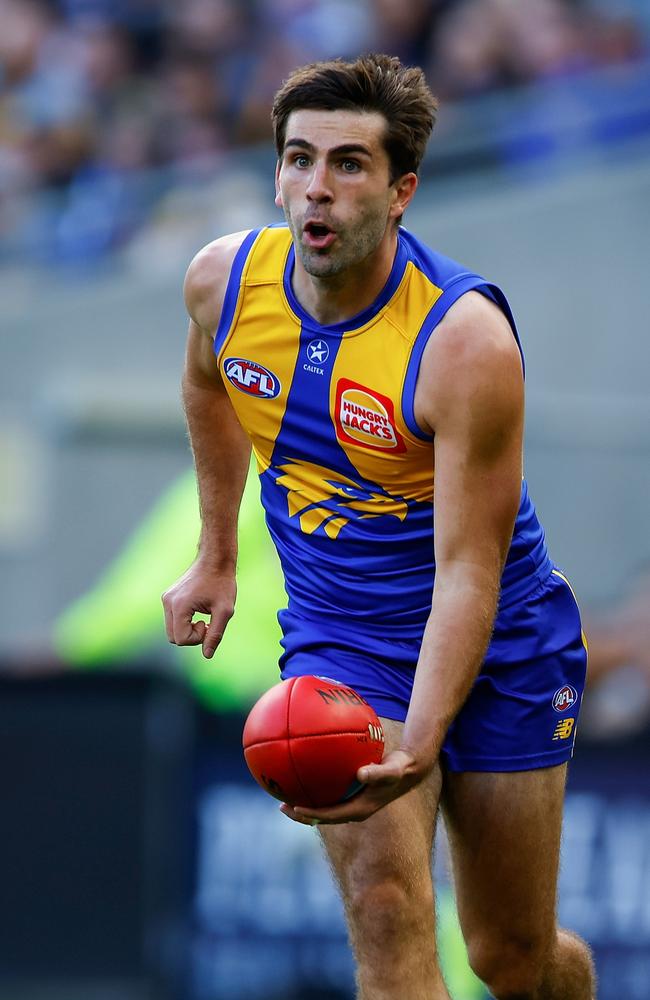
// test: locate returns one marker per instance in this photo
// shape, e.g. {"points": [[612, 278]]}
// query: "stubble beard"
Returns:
{"points": [[354, 244]]}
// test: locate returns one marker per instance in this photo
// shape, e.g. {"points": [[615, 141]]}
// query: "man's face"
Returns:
{"points": [[333, 182]]}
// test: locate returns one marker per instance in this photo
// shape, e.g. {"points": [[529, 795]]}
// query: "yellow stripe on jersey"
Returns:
{"points": [[381, 351]]}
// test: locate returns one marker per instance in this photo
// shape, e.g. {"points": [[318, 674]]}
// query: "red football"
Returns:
{"points": [[305, 739]]}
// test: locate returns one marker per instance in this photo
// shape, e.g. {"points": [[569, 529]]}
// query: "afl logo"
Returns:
{"points": [[251, 378], [564, 698]]}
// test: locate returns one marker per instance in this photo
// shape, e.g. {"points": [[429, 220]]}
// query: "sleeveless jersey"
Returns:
{"points": [[347, 478]]}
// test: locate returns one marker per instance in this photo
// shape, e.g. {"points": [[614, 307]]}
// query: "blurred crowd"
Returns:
{"points": [[93, 91]]}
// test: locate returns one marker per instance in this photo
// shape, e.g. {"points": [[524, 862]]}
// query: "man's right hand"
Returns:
{"points": [[199, 591]]}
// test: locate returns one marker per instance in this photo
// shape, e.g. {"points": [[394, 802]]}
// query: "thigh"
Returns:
{"points": [[504, 835], [395, 844]]}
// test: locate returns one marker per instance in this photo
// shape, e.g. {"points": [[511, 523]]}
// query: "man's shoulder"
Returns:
{"points": [[211, 265], [474, 332], [472, 364], [207, 276]]}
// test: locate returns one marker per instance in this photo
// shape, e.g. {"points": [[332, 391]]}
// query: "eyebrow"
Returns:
{"points": [[346, 149]]}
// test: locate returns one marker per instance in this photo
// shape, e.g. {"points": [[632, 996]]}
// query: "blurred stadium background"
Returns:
{"points": [[139, 861]]}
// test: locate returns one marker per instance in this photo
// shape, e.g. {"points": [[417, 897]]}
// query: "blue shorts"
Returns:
{"points": [[522, 710]]}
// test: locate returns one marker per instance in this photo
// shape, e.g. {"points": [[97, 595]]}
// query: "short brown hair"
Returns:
{"points": [[370, 83]]}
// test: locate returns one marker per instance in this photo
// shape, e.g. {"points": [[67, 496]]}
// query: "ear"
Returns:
{"points": [[403, 190], [278, 193]]}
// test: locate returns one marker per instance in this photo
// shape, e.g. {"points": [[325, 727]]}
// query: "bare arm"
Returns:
{"points": [[221, 456], [470, 396]]}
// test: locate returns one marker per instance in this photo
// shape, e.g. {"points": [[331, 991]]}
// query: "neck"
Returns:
{"points": [[339, 297]]}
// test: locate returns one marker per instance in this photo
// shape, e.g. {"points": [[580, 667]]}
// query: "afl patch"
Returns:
{"points": [[564, 698], [251, 378]]}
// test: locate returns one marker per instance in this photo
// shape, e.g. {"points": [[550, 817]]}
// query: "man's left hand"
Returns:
{"points": [[398, 772]]}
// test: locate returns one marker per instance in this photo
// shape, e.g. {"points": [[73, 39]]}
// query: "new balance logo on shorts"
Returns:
{"points": [[564, 729]]}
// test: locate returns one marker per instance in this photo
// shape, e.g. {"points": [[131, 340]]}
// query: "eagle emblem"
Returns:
{"points": [[320, 497]]}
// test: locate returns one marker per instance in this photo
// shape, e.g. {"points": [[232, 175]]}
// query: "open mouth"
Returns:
{"points": [[318, 235]]}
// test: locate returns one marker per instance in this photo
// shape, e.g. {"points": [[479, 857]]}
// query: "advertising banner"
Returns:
{"points": [[268, 922]]}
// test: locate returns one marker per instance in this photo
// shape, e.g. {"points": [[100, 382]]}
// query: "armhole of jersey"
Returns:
{"points": [[459, 286], [494, 293], [233, 288]]}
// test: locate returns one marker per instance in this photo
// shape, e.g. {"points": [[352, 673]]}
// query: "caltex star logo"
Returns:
{"points": [[318, 351]]}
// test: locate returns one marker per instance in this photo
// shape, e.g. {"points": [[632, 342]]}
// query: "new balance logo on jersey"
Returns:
{"points": [[251, 378]]}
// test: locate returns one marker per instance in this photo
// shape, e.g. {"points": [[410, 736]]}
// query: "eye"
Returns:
{"points": [[350, 166], [301, 161]]}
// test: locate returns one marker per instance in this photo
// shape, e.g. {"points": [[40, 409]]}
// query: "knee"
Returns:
{"points": [[387, 909], [511, 967]]}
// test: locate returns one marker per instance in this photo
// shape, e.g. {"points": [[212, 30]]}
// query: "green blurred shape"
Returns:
{"points": [[460, 980], [121, 617]]}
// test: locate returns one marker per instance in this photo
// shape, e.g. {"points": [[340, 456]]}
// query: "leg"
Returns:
{"points": [[383, 868], [504, 834]]}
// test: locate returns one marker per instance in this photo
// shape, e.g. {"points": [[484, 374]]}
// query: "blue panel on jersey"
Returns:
{"points": [[398, 570], [232, 290]]}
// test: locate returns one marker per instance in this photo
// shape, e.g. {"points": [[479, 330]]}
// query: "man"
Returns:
{"points": [[353, 357]]}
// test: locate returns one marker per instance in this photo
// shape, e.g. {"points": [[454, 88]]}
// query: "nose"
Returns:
{"points": [[319, 188]]}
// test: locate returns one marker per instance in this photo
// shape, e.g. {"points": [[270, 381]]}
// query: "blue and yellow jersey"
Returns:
{"points": [[347, 477]]}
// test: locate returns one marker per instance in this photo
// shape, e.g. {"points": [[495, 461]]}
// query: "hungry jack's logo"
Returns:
{"points": [[366, 418], [320, 497]]}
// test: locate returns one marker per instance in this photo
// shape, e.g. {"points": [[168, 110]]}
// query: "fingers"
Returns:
{"points": [[390, 771], [182, 630], [291, 813], [215, 630], [379, 774], [204, 592], [396, 775], [344, 813], [212, 638], [354, 810], [169, 618]]}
